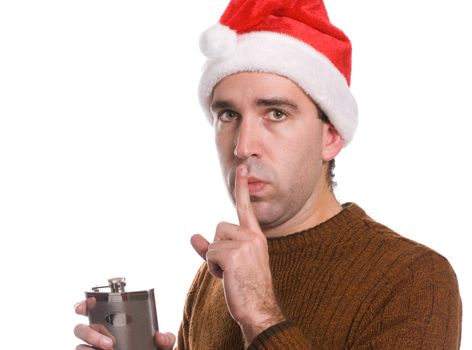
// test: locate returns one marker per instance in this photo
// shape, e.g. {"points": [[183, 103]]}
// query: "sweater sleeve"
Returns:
{"points": [[183, 334], [282, 336], [422, 311]]}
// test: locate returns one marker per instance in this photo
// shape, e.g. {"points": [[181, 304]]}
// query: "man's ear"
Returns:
{"points": [[332, 142]]}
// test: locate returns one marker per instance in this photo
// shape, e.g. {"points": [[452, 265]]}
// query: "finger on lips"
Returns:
{"points": [[246, 216], [229, 236]]}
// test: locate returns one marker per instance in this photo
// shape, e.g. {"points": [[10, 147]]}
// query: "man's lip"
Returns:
{"points": [[255, 185], [251, 180]]}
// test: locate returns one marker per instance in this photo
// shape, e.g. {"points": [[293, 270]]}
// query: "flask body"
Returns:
{"points": [[129, 318]]}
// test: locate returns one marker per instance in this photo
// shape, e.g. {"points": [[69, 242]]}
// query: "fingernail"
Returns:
{"points": [[106, 342], [244, 171], [76, 306]]}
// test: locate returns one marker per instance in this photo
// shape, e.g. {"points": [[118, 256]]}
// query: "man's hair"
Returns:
{"points": [[331, 165]]}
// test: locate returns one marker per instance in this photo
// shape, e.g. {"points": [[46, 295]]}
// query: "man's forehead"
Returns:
{"points": [[256, 86], [274, 101], [254, 77]]}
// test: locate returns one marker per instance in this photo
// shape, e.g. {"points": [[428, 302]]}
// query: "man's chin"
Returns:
{"points": [[265, 214]]}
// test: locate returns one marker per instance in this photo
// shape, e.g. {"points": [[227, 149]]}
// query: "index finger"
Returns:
{"points": [[246, 216]]}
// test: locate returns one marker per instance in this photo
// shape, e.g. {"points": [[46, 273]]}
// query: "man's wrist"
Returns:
{"points": [[259, 324]]}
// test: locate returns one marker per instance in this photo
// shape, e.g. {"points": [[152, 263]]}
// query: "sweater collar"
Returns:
{"points": [[329, 232]]}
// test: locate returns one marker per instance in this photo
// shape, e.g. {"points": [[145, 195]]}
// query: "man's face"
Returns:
{"points": [[268, 123]]}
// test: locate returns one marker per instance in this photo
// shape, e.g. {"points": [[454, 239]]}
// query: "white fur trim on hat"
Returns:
{"points": [[284, 55]]}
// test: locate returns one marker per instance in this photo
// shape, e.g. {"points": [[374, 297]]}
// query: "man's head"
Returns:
{"points": [[272, 67], [270, 124]]}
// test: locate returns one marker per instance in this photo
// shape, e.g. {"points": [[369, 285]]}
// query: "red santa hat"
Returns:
{"points": [[294, 39]]}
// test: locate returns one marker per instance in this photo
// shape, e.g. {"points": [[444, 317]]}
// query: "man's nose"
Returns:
{"points": [[248, 142]]}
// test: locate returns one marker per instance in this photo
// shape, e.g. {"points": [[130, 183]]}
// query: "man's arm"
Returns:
{"points": [[422, 310], [184, 329]]}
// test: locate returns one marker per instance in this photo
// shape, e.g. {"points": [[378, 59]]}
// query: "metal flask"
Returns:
{"points": [[129, 318]]}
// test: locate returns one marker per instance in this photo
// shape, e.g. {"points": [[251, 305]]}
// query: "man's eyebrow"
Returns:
{"points": [[221, 104], [266, 102], [277, 102]]}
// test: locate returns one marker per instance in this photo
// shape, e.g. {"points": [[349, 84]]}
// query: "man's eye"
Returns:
{"points": [[277, 115], [227, 116]]}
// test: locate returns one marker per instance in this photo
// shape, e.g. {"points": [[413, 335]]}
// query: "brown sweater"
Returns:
{"points": [[348, 283]]}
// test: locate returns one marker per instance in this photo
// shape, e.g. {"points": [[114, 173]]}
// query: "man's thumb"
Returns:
{"points": [[200, 244]]}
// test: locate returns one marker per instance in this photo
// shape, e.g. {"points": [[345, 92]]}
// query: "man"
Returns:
{"points": [[299, 270]]}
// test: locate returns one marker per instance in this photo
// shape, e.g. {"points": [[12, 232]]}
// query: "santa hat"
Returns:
{"points": [[294, 39]]}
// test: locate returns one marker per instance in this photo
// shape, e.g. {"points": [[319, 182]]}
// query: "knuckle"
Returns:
{"points": [[212, 256], [209, 254], [260, 241], [245, 246], [242, 207], [233, 260], [223, 229], [221, 226], [234, 257]]}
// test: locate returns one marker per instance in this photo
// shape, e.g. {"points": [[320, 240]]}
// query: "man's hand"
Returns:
{"points": [[98, 337], [240, 257]]}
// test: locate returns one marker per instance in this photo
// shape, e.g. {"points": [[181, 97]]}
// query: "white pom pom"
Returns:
{"points": [[218, 41]]}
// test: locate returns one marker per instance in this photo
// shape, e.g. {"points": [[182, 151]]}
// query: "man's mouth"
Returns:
{"points": [[255, 185]]}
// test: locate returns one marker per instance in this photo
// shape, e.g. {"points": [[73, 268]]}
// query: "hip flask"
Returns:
{"points": [[129, 318]]}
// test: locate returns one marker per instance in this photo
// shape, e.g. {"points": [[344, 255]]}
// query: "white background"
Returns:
{"points": [[107, 165]]}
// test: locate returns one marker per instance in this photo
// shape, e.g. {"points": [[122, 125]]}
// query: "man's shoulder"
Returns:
{"points": [[398, 255], [403, 284]]}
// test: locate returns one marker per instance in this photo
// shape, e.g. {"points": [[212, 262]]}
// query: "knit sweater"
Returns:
{"points": [[347, 283]]}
